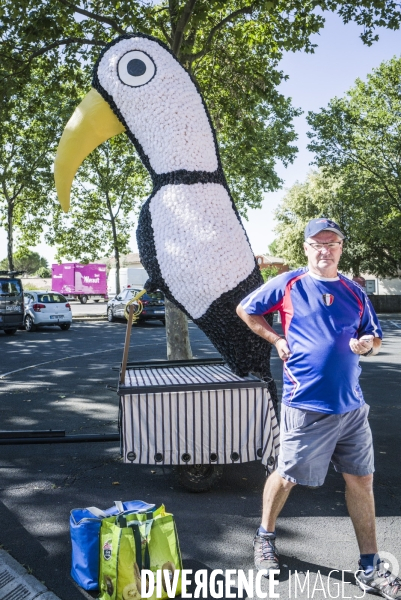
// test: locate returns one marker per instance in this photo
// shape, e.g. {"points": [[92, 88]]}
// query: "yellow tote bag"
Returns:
{"points": [[134, 542]]}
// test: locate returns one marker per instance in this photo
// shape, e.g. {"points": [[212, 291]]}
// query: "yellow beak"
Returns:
{"points": [[92, 123]]}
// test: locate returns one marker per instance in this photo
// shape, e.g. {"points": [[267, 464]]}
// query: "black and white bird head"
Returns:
{"points": [[139, 87]]}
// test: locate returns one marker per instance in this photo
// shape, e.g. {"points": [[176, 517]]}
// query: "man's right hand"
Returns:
{"points": [[283, 349]]}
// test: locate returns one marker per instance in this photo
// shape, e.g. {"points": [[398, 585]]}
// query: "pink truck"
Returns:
{"points": [[80, 282]]}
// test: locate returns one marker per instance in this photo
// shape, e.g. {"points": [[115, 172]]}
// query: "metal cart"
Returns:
{"points": [[194, 415], [197, 416]]}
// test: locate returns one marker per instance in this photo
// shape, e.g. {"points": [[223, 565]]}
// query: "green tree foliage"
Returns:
{"points": [[231, 47], [268, 273], [27, 261], [43, 272], [323, 195], [357, 140], [108, 188], [272, 248], [31, 120]]}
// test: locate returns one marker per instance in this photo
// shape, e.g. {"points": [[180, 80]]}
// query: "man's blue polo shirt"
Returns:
{"points": [[319, 317]]}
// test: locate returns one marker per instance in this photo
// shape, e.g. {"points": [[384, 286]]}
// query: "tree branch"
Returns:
{"points": [[6, 163], [365, 165], [65, 42], [45, 49], [246, 10], [10, 57], [16, 193], [122, 197], [173, 8], [164, 31], [181, 25], [94, 16], [161, 10], [5, 191]]}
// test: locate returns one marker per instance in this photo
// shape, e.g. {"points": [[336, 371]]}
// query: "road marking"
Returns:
{"points": [[394, 323], [48, 362]]}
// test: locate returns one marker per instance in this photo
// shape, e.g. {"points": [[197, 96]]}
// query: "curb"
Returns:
{"points": [[89, 318], [16, 582]]}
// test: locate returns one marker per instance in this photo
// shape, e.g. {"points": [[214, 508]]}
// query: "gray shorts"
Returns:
{"points": [[309, 440]]}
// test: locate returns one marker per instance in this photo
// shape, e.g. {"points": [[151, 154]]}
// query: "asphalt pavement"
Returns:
{"points": [[91, 309], [51, 379]]}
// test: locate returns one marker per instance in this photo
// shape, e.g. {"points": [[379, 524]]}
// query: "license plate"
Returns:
{"points": [[14, 308], [54, 317], [159, 312]]}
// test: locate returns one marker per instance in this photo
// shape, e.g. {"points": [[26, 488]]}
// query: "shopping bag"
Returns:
{"points": [[133, 543], [85, 531]]}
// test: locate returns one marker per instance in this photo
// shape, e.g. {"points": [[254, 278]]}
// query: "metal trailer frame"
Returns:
{"points": [[58, 436], [159, 398]]}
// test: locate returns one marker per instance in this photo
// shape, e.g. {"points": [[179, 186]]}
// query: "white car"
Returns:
{"points": [[46, 308]]}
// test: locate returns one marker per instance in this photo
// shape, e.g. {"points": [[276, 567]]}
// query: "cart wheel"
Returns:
{"points": [[198, 478]]}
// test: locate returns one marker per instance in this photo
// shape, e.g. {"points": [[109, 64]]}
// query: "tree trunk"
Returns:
{"points": [[117, 257], [178, 344], [10, 218], [177, 334], [116, 250], [115, 242]]}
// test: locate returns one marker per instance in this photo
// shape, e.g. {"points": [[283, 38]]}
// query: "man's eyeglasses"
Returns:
{"points": [[329, 245]]}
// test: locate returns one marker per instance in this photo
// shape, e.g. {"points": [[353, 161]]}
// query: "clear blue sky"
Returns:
{"points": [[314, 79]]}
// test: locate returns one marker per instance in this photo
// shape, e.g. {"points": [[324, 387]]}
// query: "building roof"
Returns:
{"points": [[271, 260], [125, 260]]}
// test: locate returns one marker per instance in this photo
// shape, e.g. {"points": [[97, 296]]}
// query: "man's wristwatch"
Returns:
{"points": [[368, 353]]}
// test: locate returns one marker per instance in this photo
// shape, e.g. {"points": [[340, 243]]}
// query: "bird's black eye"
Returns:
{"points": [[136, 68]]}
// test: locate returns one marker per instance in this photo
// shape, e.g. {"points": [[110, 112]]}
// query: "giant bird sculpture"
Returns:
{"points": [[190, 236]]}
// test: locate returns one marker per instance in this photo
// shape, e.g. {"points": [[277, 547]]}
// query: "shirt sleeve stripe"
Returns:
{"points": [[251, 297]]}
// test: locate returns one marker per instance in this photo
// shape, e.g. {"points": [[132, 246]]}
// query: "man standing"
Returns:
{"points": [[328, 323]]}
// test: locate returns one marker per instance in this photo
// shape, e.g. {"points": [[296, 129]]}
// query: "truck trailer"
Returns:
{"points": [[80, 282], [129, 276]]}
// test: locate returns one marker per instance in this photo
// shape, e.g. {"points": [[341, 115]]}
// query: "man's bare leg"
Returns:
{"points": [[275, 494], [361, 508]]}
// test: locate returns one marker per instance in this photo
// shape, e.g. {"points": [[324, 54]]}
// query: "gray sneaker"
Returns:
{"points": [[380, 581], [265, 552]]}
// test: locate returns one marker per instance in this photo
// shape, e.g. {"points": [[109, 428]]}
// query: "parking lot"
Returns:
{"points": [[51, 379], [90, 309]]}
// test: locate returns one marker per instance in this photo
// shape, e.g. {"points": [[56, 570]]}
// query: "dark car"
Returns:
{"points": [[153, 305], [11, 303]]}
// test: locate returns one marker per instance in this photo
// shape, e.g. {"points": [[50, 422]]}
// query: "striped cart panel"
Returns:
{"points": [[234, 422], [217, 375]]}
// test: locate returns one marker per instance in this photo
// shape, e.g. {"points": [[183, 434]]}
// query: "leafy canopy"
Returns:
{"points": [[27, 261], [268, 273], [32, 119], [108, 189], [332, 197], [231, 47], [357, 142]]}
